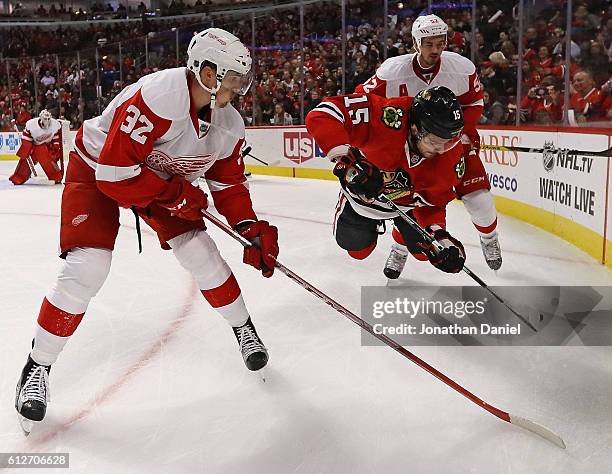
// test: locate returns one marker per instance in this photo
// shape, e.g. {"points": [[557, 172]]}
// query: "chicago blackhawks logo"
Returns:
{"points": [[397, 184], [182, 166], [460, 168], [392, 117]]}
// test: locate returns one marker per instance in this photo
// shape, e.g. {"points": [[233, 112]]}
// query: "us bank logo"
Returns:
{"points": [[12, 141], [300, 147]]}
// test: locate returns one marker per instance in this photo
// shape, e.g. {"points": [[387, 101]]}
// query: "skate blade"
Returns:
{"points": [[26, 425], [262, 374]]}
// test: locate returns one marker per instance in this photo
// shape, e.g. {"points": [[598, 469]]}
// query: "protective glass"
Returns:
{"points": [[238, 83]]}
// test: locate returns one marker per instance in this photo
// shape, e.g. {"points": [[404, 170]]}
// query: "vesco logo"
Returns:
{"points": [[503, 182], [12, 141], [300, 147]]}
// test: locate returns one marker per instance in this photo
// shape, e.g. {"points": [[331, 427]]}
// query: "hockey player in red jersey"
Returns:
{"points": [[407, 149], [40, 143], [430, 66], [153, 140]]}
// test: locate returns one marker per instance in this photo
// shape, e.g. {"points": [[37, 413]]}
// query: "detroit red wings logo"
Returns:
{"points": [[182, 166]]}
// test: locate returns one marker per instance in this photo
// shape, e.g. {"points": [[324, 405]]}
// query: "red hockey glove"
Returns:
{"points": [[185, 200], [360, 176], [262, 254], [451, 257]]}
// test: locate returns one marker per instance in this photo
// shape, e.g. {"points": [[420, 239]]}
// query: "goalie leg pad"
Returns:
{"points": [[42, 154], [22, 173]]}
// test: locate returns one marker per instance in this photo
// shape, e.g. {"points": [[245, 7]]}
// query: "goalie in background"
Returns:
{"points": [[40, 143]]}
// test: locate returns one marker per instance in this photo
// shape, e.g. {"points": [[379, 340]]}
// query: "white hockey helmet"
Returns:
{"points": [[45, 118], [227, 53], [426, 26]]}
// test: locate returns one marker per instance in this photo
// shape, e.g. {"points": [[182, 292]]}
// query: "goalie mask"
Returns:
{"points": [[231, 58], [438, 119], [45, 118]]}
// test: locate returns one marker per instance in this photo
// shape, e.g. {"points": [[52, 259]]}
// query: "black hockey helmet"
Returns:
{"points": [[436, 110]]}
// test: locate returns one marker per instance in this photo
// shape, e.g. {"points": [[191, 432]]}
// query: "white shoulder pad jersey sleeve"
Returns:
{"points": [[164, 94], [390, 78]]}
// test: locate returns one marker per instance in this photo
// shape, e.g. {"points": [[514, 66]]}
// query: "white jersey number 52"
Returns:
{"points": [[134, 116]]}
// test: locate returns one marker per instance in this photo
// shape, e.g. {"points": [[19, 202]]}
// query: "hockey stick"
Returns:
{"points": [[505, 416], [247, 152], [430, 240], [605, 153]]}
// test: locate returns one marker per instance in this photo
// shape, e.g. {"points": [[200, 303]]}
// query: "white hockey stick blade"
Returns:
{"points": [[26, 425], [538, 429]]}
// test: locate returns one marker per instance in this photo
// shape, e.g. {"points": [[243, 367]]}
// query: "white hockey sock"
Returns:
{"points": [[481, 207], [234, 313], [47, 346], [489, 236]]}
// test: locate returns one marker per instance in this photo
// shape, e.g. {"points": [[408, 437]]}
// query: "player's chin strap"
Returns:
{"points": [[213, 91]]}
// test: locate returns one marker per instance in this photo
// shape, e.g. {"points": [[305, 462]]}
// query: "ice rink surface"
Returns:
{"points": [[153, 381]]}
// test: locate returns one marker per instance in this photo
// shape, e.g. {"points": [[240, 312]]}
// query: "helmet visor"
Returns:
{"points": [[238, 83], [438, 145]]}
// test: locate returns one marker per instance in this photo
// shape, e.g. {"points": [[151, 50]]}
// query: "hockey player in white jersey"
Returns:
{"points": [[430, 66], [40, 143], [153, 140]]}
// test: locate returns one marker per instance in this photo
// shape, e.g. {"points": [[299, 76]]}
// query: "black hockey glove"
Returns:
{"points": [[360, 176], [451, 257]]}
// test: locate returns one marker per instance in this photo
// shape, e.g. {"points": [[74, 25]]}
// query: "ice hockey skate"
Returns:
{"points": [[253, 351], [492, 252], [395, 262], [32, 394]]}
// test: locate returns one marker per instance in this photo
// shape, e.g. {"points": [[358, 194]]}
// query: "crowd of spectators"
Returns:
{"points": [[99, 10], [79, 93]]}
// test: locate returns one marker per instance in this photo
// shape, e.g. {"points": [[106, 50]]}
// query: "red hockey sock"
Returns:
{"points": [[397, 236], [486, 230], [363, 253], [56, 321], [223, 295]]}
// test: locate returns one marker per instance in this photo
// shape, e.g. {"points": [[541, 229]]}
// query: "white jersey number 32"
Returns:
{"points": [[128, 126]]}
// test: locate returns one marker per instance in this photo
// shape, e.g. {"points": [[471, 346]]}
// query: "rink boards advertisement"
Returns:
{"points": [[564, 193], [9, 144]]}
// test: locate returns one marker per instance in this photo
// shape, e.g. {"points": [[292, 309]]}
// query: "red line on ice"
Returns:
{"points": [[112, 389]]}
